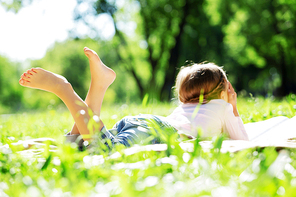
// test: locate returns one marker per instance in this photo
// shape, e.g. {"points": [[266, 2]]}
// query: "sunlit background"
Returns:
{"points": [[146, 42], [37, 26]]}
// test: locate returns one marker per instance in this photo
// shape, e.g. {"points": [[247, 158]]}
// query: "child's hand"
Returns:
{"points": [[232, 97]]}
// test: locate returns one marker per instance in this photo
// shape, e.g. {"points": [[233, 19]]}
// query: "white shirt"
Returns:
{"points": [[213, 118]]}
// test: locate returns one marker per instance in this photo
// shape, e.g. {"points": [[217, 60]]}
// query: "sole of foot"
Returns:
{"points": [[39, 78]]}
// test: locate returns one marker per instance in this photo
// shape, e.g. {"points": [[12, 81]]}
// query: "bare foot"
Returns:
{"points": [[39, 78], [101, 75]]}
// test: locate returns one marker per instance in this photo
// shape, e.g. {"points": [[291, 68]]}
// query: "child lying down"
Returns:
{"points": [[208, 103]]}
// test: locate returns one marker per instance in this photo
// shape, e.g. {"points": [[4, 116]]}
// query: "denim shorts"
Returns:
{"points": [[140, 129]]}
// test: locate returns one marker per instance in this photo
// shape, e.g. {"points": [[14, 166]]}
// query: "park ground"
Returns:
{"points": [[171, 172]]}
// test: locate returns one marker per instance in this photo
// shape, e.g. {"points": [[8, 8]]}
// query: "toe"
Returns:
{"points": [[90, 53], [25, 76], [23, 82], [29, 72], [86, 50], [33, 70]]}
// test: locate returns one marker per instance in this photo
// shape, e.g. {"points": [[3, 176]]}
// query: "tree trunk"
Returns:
{"points": [[166, 89], [282, 67]]}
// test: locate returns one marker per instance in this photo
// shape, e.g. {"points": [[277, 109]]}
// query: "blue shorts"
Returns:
{"points": [[141, 129]]}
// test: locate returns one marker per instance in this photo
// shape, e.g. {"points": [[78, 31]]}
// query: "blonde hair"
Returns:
{"points": [[207, 79]]}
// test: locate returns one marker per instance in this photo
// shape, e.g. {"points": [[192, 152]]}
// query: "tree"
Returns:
{"points": [[261, 35], [10, 91], [254, 41], [169, 31]]}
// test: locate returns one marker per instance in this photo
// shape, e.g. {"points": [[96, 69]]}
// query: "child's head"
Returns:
{"points": [[205, 78]]}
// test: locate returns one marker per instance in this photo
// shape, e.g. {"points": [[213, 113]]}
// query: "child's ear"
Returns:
{"points": [[224, 95]]}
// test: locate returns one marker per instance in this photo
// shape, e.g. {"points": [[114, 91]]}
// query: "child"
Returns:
{"points": [[217, 114]]}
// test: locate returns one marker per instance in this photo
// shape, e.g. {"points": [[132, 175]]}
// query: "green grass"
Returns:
{"points": [[175, 172]]}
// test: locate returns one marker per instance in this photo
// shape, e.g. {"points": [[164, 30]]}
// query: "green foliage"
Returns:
{"points": [[10, 91], [174, 172], [254, 41], [259, 36], [14, 5]]}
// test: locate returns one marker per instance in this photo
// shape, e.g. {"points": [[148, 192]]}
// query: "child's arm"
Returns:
{"points": [[234, 125], [232, 97]]}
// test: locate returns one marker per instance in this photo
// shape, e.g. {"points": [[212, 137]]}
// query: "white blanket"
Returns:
{"points": [[272, 130]]}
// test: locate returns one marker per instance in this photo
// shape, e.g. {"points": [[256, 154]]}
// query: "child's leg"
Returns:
{"points": [[101, 78], [41, 79]]}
